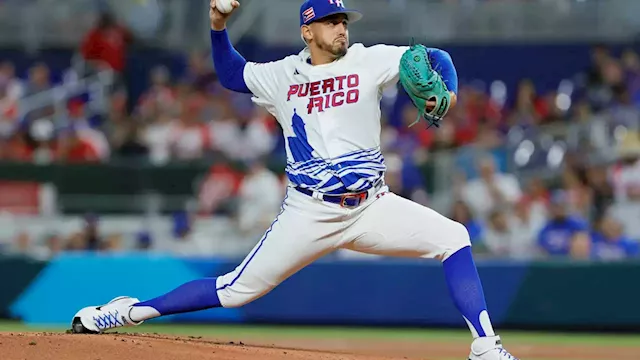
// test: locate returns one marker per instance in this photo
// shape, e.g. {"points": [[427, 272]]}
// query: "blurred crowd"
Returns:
{"points": [[592, 210], [175, 119], [592, 213]]}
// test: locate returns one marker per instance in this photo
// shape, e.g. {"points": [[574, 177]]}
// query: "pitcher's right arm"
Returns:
{"points": [[234, 72]]}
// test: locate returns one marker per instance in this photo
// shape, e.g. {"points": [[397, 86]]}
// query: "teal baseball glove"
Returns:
{"points": [[423, 83]]}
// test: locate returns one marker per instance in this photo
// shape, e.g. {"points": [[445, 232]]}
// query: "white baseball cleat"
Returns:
{"points": [[489, 348], [97, 319]]}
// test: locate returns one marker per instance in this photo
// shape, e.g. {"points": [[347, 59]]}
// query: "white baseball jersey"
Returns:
{"points": [[330, 114]]}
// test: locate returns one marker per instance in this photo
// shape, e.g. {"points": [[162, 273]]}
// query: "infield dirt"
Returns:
{"points": [[60, 346]]}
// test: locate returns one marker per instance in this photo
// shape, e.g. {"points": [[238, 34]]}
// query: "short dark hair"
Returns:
{"points": [[105, 20]]}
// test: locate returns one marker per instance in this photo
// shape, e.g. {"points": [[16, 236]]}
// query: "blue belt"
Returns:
{"points": [[351, 200]]}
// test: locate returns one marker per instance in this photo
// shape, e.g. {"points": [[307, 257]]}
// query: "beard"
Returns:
{"points": [[337, 49]]}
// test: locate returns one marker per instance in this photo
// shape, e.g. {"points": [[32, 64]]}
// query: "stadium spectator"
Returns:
{"points": [[55, 244], [160, 98], [24, 244], [610, 243], [76, 242], [488, 141], [90, 232], [88, 237], [200, 74], [105, 45], [39, 79], [622, 111], [17, 147], [498, 235], [626, 174], [491, 190], [78, 119], [631, 64], [563, 234], [13, 85], [393, 176], [445, 138], [111, 243], [126, 135], [404, 177], [259, 199], [11, 90], [602, 196], [596, 89], [217, 189], [512, 232], [625, 177], [525, 223], [462, 214], [416, 136], [73, 147], [591, 129], [536, 197], [576, 186], [156, 136], [190, 137], [478, 109], [245, 134]]}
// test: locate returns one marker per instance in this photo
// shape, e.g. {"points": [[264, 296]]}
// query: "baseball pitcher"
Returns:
{"points": [[327, 101]]}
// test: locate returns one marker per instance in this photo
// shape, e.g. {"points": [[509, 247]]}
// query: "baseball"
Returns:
{"points": [[224, 6]]}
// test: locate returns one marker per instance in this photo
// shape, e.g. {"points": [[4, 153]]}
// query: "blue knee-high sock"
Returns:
{"points": [[466, 291], [193, 296]]}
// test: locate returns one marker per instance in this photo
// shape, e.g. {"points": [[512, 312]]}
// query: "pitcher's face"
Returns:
{"points": [[330, 34]]}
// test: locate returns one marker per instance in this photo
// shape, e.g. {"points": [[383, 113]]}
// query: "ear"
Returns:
{"points": [[306, 34]]}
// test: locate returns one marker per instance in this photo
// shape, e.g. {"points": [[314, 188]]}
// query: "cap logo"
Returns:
{"points": [[338, 3], [308, 14]]}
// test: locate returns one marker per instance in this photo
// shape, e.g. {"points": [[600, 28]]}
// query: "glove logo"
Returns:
{"points": [[444, 105]]}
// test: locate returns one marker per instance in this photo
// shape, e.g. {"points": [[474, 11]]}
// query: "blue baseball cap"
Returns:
{"points": [[313, 10]]}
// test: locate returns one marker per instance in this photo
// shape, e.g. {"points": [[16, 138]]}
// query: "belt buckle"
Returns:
{"points": [[361, 197]]}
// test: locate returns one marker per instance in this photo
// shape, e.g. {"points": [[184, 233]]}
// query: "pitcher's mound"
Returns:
{"points": [[132, 346], [57, 346]]}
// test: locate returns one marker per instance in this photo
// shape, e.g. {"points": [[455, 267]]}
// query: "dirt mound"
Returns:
{"points": [[56, 346], [112, 346]]}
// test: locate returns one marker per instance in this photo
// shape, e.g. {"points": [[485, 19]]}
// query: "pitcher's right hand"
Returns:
{"points": [[218, 19]]}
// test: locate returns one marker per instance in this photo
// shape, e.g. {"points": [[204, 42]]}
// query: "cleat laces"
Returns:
{"points": [[108, 320], [506, 354]]}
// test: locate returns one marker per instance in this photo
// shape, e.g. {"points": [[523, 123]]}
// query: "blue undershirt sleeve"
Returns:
{"points": [[442, 62], [229, 64]]}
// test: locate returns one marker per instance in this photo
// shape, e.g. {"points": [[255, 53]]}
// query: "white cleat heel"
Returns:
{"points": [[489, 348]]}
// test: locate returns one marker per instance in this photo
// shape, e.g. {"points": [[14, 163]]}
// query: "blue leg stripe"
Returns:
{"points": [[264, 237]]}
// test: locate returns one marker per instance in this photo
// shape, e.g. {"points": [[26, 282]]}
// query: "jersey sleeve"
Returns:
{"points": [[387, 62], [264, 79]]}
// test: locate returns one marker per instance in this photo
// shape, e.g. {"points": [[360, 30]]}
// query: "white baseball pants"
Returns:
{"points": [[308, 228]]}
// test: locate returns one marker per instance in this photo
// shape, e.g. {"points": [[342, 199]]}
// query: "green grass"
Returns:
{"points": [[243, 331]]}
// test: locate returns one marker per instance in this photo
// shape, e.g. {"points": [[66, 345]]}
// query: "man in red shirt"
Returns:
{"points": [[105, 45], [73, 148]]}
